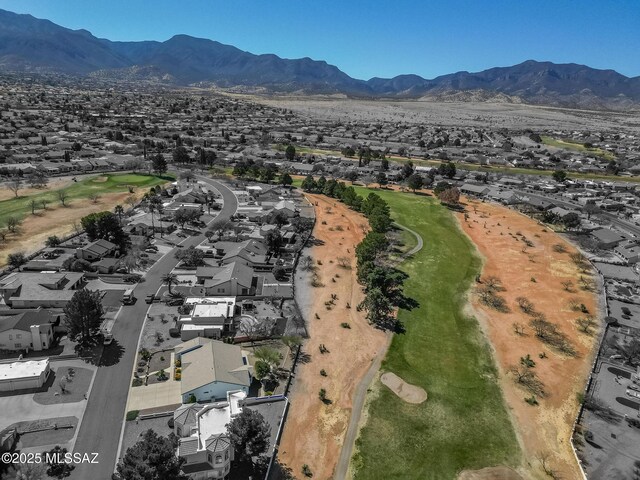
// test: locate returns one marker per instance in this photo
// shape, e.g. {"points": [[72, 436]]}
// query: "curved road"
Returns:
{"points": [[102, 422], [342, 467]]}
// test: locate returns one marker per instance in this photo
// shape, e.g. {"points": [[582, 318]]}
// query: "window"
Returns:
{"points": [[10, 337], [221, 290], [18, 336], [209, 459], [18, 345], [218, 459]]}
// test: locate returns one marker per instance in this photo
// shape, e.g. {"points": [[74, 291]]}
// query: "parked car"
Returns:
{"points": [[150, 298], [108, 339]]}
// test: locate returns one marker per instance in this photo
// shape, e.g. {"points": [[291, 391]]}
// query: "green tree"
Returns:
{"points": [[52, 241], [106, 226], [17, 259], [190, 257], [415, 182], [262, 369], [447, 170], [285, 179], [308, 184], [389, 281], [378, 307], [170, 279], [290, 152], [371, 245], [559, 176], [268, 354], [274, 241], [153, 457], [180, 155], [249, 433], [571, 220], [159, 164], [83, 316], [407, 170], [58, 469]]}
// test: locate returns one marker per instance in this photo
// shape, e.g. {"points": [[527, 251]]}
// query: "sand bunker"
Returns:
{"points": [[407, 392], [491, 473]]}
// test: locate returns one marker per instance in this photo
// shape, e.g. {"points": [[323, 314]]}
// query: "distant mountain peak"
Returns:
{"points": [[31, 44]]}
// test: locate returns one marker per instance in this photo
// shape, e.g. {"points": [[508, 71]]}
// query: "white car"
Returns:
{"points": [[108, 339]]}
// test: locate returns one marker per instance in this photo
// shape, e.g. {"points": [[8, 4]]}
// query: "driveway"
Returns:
{"points": [[101, 428]]}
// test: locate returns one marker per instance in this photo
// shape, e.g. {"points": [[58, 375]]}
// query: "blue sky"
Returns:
{"points": [[377, 37]]}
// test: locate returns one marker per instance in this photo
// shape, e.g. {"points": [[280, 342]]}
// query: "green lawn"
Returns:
{"points": [[464, 423], [114, 183], [577, 147]]}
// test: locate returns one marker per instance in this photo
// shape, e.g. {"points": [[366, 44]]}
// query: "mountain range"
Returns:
{"points": [[33, 45]]}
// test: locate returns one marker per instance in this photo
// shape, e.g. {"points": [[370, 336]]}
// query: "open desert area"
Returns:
{"points": [[458, 114], [533, 262]]}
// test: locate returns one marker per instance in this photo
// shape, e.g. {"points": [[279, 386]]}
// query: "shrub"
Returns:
{"points": [[174, 332], [531, 400], [132, 415], [178, 376], [137, 382], [322, 394], [323, 372], [345, 325], [306, 471], [192, 399], [170, 422]]}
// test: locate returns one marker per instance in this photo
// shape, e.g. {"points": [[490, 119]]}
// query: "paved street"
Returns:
{"points": [[101, 426]]}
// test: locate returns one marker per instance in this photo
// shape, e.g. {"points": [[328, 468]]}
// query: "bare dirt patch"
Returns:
{"points": [[314, 431], [407, 392], [536, 272]]}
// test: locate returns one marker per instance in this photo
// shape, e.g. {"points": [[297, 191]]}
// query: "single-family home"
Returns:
{"points": [[607, 238], [96, 250], [202, 436], [27, 330], [40, 289], [209, 317], [228, 280], [211, 369]]}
